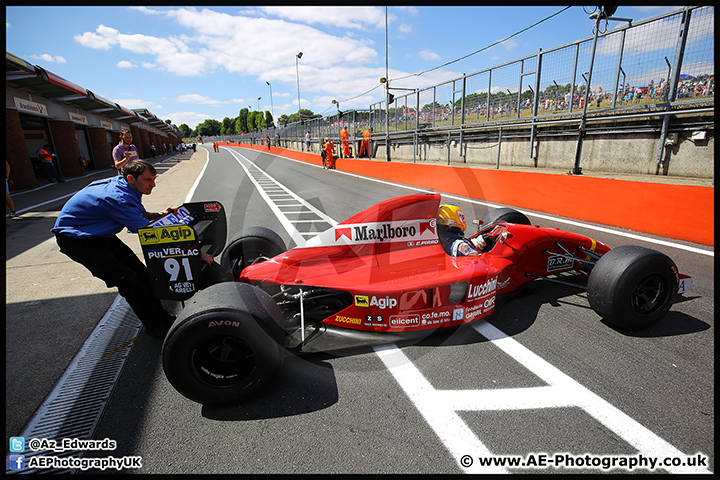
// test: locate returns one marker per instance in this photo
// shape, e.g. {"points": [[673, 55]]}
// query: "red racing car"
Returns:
{"points": [[380, 276]]}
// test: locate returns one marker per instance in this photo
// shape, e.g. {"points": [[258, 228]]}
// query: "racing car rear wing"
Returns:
{"points": [[172, 245]]}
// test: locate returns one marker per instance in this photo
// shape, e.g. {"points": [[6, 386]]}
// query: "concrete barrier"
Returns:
{"points": [[681, 212]]}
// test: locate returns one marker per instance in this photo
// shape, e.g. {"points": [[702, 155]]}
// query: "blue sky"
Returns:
{"points": [[188, 64]]}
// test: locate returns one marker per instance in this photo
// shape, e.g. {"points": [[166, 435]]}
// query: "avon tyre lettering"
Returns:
{"points": [[223, 323]]}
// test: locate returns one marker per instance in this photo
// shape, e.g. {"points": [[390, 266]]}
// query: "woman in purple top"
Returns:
{"points": [[124, 152]]}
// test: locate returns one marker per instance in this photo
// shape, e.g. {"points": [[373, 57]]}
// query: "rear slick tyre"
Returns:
{"points": [[632, 287], [249, 246], [226, 344], [508, 215]]}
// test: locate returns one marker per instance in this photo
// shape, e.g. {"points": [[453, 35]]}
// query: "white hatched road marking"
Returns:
{"points": [[440, 408], [260, 178]]}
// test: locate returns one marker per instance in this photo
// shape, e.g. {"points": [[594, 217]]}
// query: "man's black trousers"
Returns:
{"points": [[109, 259]]}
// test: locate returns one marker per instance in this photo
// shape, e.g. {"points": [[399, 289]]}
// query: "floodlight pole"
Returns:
{"points": [[387, 92], [297, 73], [272, 108], [672, 86], [599, 15], [581, 129]]}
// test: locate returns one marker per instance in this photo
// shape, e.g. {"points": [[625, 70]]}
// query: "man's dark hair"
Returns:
{"points": [[137, 167]]}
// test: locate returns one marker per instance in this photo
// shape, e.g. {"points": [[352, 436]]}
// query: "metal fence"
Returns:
{"points": [[661, 61]]}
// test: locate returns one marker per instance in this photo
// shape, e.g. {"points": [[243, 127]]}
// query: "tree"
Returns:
{"points": [[269, 119], [473, 100], [186, 131], [305, 114], [228, 126], [428, 107], [209, 127], [259, 121], [251, 121], [241, 126]]}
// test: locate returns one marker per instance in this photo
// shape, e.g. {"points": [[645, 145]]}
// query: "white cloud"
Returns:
{"points": [[136, 103], [240, 44], [195, 98], [509, 45], [192, 119], [203, 100], [429, 55], [104, 38], [125, 64], [49, 58], [337, 65], [346, 17]]}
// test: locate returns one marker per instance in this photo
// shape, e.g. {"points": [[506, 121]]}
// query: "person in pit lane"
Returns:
{"points": [[451, 231], [86, 231]]}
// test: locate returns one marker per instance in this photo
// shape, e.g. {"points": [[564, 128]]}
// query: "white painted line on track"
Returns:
{"points": [[571, 393], [453, 432], [191, 193], [576, 223], [440, 408], [297, 236]]}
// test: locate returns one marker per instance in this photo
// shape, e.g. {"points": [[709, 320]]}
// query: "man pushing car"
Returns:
{"points": [[86, 231]]}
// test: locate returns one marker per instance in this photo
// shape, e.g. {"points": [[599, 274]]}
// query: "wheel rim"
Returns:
{"points": [[649, 295], [254, 256], [248, 257], [223, 360]]}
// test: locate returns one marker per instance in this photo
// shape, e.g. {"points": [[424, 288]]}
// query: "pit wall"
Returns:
{"points": [[609, 154], [681, 212]]}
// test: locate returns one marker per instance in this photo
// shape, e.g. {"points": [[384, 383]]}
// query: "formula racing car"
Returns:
{"points": [[380, 276]]}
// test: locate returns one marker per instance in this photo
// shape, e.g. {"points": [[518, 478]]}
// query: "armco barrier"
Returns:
{"points": [[681, 212]]}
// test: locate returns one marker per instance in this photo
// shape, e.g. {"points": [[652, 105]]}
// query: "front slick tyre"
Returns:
{"points": [[632, 287], [226, 344]]}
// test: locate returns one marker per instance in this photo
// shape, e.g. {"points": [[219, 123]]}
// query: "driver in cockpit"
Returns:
{"points": [[451, 230]]}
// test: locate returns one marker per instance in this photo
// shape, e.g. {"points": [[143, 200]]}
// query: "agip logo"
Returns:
{"points": [[362, 301], [379, 302], [158, 235]]}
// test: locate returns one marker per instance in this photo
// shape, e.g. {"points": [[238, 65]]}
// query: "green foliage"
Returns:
{"points": [[228, 126], [247, 121], [209, 127], [241, 125], [255, 121], [186, 131], [305, 114]]}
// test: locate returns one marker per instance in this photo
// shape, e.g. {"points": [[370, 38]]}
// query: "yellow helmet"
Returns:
{"points": [[451, 216]]}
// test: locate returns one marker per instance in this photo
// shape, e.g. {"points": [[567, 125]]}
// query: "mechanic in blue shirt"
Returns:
{"points": [[451, 230], [86, 232]]}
